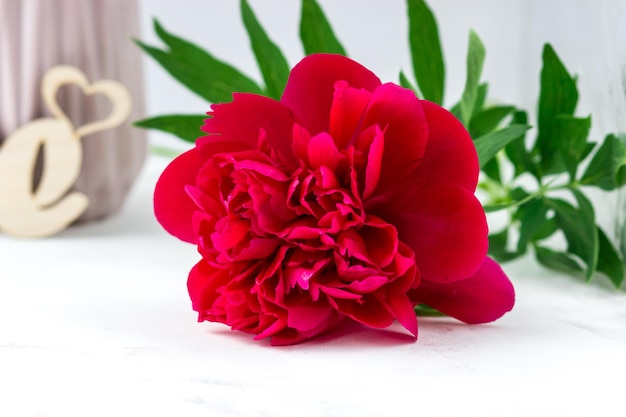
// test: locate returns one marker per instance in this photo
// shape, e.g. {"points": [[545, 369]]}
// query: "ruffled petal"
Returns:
{"points": [[173, 207], [398, 113], [322, 151], [203, 284], [444, 224], [346, 112], [289, 336], [369, 311], [306, 316], [374, 163], [309, 90], [450, 153], [247, 120], [403, 310], [482, 298]]}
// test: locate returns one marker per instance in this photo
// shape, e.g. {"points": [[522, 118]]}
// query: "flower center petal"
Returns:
{"points": [[346, 112]]}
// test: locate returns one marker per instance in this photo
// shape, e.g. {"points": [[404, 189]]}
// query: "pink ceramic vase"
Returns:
{"points": [[95, 36]]}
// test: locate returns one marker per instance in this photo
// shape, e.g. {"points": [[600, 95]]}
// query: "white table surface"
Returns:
{"points": [[96, 321]]}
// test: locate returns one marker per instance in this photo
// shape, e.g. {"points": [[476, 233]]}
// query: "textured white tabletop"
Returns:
{"points": [[96, 322]]}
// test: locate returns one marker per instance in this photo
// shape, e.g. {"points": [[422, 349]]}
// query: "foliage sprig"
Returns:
{"points": [[554, 203]]}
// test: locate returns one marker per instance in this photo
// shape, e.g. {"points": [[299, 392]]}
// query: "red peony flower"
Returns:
{"points": [[346, 199]]}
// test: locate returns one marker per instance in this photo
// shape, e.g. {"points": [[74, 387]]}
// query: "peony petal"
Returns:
{"points": [[336, 294], [173, 207], [229, 232], [374, 163], [286, 337], [368, 284], [322, 152], [248, 116], [291, 336], [309, 90], [444, 224], [375, 243], [404, 312], [208, 146], [371, 312], [203, 284], [262, 168], [279, 325], [381, 240], [300, 143], [346, 112], [482, 298], [398, 113], [406, 273], [304, 316], [450, 154]]}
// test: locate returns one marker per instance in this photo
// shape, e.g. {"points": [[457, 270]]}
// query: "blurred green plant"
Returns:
{"points": [[553, 203]]}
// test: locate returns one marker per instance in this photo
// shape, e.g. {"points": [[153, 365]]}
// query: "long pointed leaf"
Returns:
{"points": [[571, 137], [516, 150], [271, 61], [487, 146], [609, 262], [607, 168], [475, 59], [558, 96], [185, 126], [531, 215], [488, 119], [199, 71], [481, 97], [498, 247], [316, 33], [404, 82], [426, 54], [578, 226], [556, 260]]}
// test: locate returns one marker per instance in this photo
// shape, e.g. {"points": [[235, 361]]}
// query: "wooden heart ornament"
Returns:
{"points": [[50, 208]]}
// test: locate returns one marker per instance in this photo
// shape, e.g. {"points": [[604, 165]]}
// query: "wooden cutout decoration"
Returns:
{"points": [[50, 208]]}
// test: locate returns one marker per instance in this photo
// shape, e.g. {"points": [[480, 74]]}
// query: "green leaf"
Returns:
{"points": [[199, 71], [426, 53], [578, 226], [547, 229], [271, 61], [456, 111], [609, 262], [516, 150], [185, 126], [492, 169], [316, 33], [475, 61], [556, 260], [497, 247], [519, 193], [424, 310], [404, 82], [488, 145], [531, 215], [571, 137], [558, 96], [607, 169], [481, 97], [487, 120]]}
